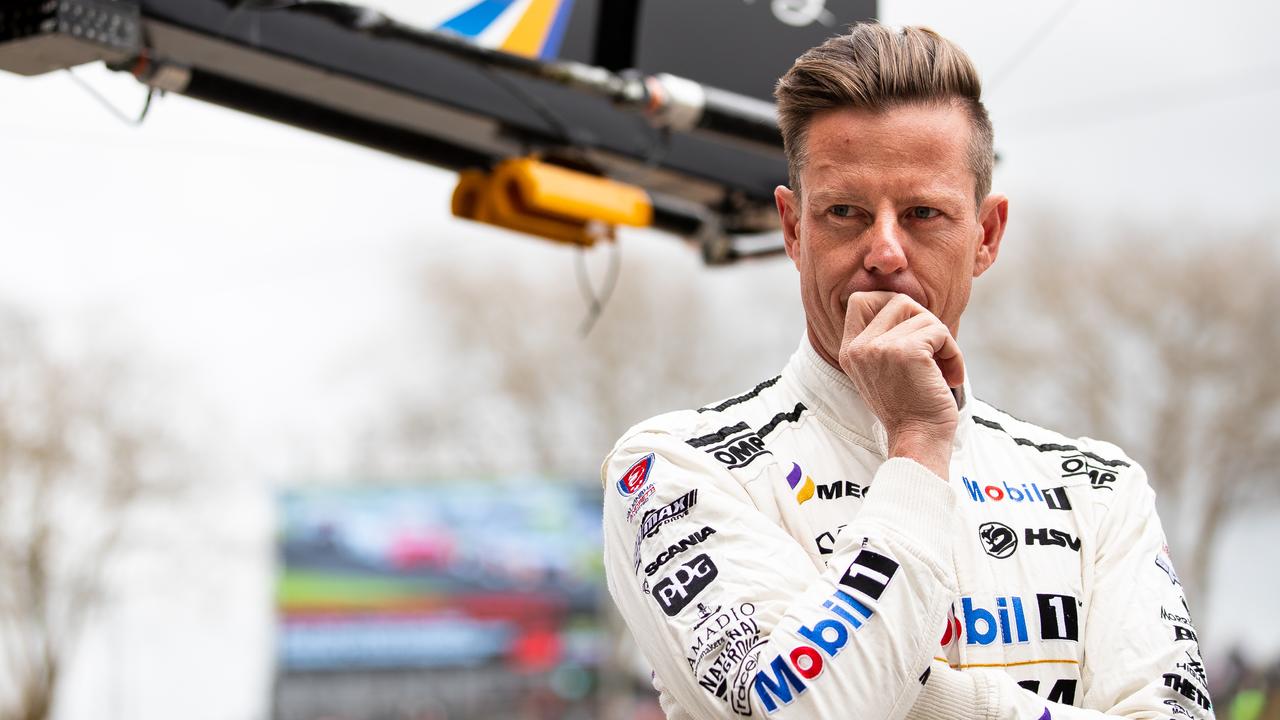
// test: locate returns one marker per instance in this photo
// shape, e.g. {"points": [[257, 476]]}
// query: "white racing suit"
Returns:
{"points": [[770, 561]]}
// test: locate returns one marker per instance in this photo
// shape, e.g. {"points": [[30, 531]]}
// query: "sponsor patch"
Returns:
{"points": [[1006, 623], [678, 547], [998, 540], [636, 476], [639, 501], [674, 592], [1024, 494], [735, 446], [656, 518], [851, 606], [800, 483]]}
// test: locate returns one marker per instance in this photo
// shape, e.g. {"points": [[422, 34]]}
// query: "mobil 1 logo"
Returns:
{"points": [[674, 592]]}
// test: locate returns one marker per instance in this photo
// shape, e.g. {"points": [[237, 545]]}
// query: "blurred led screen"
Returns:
{"points": [[439, 576]]}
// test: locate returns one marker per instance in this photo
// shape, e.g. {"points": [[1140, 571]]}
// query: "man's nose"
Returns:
{"points": [[885, 254]]}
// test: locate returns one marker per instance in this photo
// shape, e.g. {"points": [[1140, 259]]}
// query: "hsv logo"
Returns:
{"points": [[805, 492], [636, 476], [1007, 623], [674, 592], [1052, 536], [861, 585], [998, 539], [1055, 498]]}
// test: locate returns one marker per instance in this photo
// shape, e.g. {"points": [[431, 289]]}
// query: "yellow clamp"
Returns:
{"points": [[550, 201]]}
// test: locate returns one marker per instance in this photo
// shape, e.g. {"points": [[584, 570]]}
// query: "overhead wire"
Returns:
{"points": [[120, 114], [1029, 46], [597, 299]]}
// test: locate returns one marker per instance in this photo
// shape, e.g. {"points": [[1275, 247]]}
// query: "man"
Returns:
{"points": [[861, 537]]}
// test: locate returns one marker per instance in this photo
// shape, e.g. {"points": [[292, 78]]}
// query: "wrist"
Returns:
{"points": [[930, 447]]}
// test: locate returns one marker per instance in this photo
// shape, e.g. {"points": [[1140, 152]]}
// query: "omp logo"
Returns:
{"points": [[1055, 498], [674, 592], [1006, 623], [806, 487], [734, 446], [1078, 465], [636, 476], [862, 584]]}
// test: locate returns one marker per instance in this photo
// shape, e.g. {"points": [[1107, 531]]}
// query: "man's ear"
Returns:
{"points": [[992, 217], [789, 214]]}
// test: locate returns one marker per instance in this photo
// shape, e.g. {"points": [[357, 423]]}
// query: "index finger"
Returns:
{"points": [[862, 308]]}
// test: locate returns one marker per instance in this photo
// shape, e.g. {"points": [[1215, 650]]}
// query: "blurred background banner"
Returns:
{"points": [[387, 596], [739, 45]]}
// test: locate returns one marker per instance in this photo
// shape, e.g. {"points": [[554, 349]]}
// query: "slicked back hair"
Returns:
{"points": [[878, 68]]}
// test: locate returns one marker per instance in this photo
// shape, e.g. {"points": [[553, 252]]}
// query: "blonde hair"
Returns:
{"points": [[878, 68]]}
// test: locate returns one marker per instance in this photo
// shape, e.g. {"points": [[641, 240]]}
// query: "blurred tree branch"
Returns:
{"points": [[521, 391], [76, 460], [1164, 343]]}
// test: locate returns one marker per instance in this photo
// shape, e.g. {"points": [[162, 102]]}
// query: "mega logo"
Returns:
{"points": [[735, 446], [837, 490], [658, 517], [1055, 498], [1006, 623], [675, 549], [805, 493], [636, 476], [1052, 536], [998, 540], [862, 584], [674, 592]]}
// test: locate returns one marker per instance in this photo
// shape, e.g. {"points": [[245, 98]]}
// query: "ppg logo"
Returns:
{"points": [[674, 592]]}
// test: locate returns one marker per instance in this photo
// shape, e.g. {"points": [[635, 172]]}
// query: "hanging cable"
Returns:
{"points": [[146, 105], [597, 301], [1045, 30]]}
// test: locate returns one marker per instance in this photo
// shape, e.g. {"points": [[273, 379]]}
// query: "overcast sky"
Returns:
{"points": [[260, 267]]}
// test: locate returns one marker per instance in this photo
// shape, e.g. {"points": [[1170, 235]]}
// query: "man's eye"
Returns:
{"points": [[924, 213], [842, 210]]}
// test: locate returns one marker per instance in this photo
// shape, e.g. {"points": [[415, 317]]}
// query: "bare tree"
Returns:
{"points": [[1163, 341], [517, 386], [75, 463]]}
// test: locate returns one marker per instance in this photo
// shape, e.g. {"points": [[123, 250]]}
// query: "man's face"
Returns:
{"points": [[887, 203]]}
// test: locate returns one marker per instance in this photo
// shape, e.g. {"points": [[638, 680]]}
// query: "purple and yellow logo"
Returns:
{"points": [[806, 487]]}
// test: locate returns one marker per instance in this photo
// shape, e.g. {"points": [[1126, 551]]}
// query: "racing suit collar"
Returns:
{"points": [[832, 395]]}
